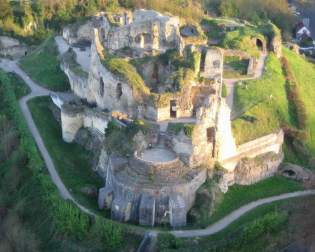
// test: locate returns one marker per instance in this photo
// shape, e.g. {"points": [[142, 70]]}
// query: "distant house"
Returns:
{"points": [[302, 32]]}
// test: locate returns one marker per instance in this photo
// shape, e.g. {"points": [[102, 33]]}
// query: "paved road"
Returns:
{"points": [[36, 90], [230, 83]]}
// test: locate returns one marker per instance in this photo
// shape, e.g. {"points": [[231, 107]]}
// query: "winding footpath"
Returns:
{"points": [[37, 90]]}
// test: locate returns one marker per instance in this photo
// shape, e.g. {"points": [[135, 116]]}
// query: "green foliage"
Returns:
{"points": [[244, 39], [71, 220], [294, 95], [108, 233], [168, 241], [128, 72], [176, 128], [264, 100], [43, 66], [304, 74], [258, 11], [238, 196], [234, 67]]}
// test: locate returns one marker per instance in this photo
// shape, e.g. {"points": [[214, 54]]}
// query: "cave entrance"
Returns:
{"points": [[211, 139], [259, 44], [173, 109]]}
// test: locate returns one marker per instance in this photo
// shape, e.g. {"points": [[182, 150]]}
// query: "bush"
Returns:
{"points": [[176, 128], [294, 96], [168, 241]]}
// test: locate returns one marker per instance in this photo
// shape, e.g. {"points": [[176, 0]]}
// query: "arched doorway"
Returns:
{"points": [[119, 91], [260, 44]]}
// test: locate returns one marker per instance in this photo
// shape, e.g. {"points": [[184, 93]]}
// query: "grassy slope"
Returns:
{"points": [[238, 196], [18, 84], [267, 242], [72, 161], [305, 74], [43, 66], [264, 100]]}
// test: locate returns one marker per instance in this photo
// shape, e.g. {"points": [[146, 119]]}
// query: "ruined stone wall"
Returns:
{"points": [[10, 47], [147, 204], [78, 32], [149, 30], [73, 118], [249, 171]]}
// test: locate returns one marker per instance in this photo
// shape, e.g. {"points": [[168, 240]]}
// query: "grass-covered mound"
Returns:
{"points": [[261, 104], [43, 66]]}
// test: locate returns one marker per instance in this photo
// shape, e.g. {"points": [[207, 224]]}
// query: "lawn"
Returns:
{"points": [[261, 105], [304, 72], [253, 231], [235, 67], [72, 161], [238, 196], [43, 66], [20, 88]]}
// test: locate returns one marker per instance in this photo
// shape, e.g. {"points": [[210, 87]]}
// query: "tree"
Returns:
{"points": [[6, 10]]}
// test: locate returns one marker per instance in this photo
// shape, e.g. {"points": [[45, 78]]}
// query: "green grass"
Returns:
{"points": [[20, 88], [43, 66], [304, 73], [261, 105], [72, 161], [235, 67], [238, 196], [233, 233]]}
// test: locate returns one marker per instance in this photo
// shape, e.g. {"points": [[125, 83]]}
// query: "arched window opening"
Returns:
{"points": [[119, 91], [101, 87]]}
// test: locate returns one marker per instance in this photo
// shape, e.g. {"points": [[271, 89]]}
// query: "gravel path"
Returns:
{"points": [[36, 90]]}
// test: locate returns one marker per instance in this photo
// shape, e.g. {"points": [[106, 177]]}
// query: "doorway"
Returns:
{"points": [[173, 109]]}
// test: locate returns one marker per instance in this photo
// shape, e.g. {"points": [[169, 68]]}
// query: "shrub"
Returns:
{"points": [[168, 241], [176, 128]]}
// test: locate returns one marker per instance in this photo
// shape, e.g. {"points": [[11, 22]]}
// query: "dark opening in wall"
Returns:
{"points": [[101, 87], [211, 139], [173, 109], [259, 44], [119, 91]]}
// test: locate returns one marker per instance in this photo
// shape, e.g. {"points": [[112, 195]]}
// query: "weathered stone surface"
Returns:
{"points": [[177, 211], [250, 171], [10, 47], [147, 210]]}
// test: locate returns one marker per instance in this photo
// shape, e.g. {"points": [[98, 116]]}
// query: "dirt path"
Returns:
{"points": [[36, 91]]}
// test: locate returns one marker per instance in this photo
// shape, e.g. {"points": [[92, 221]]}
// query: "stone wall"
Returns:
{"points": [[149, 30], [78, 32], [149, 203], [74, 117], [10, 47], [249, 171]]}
